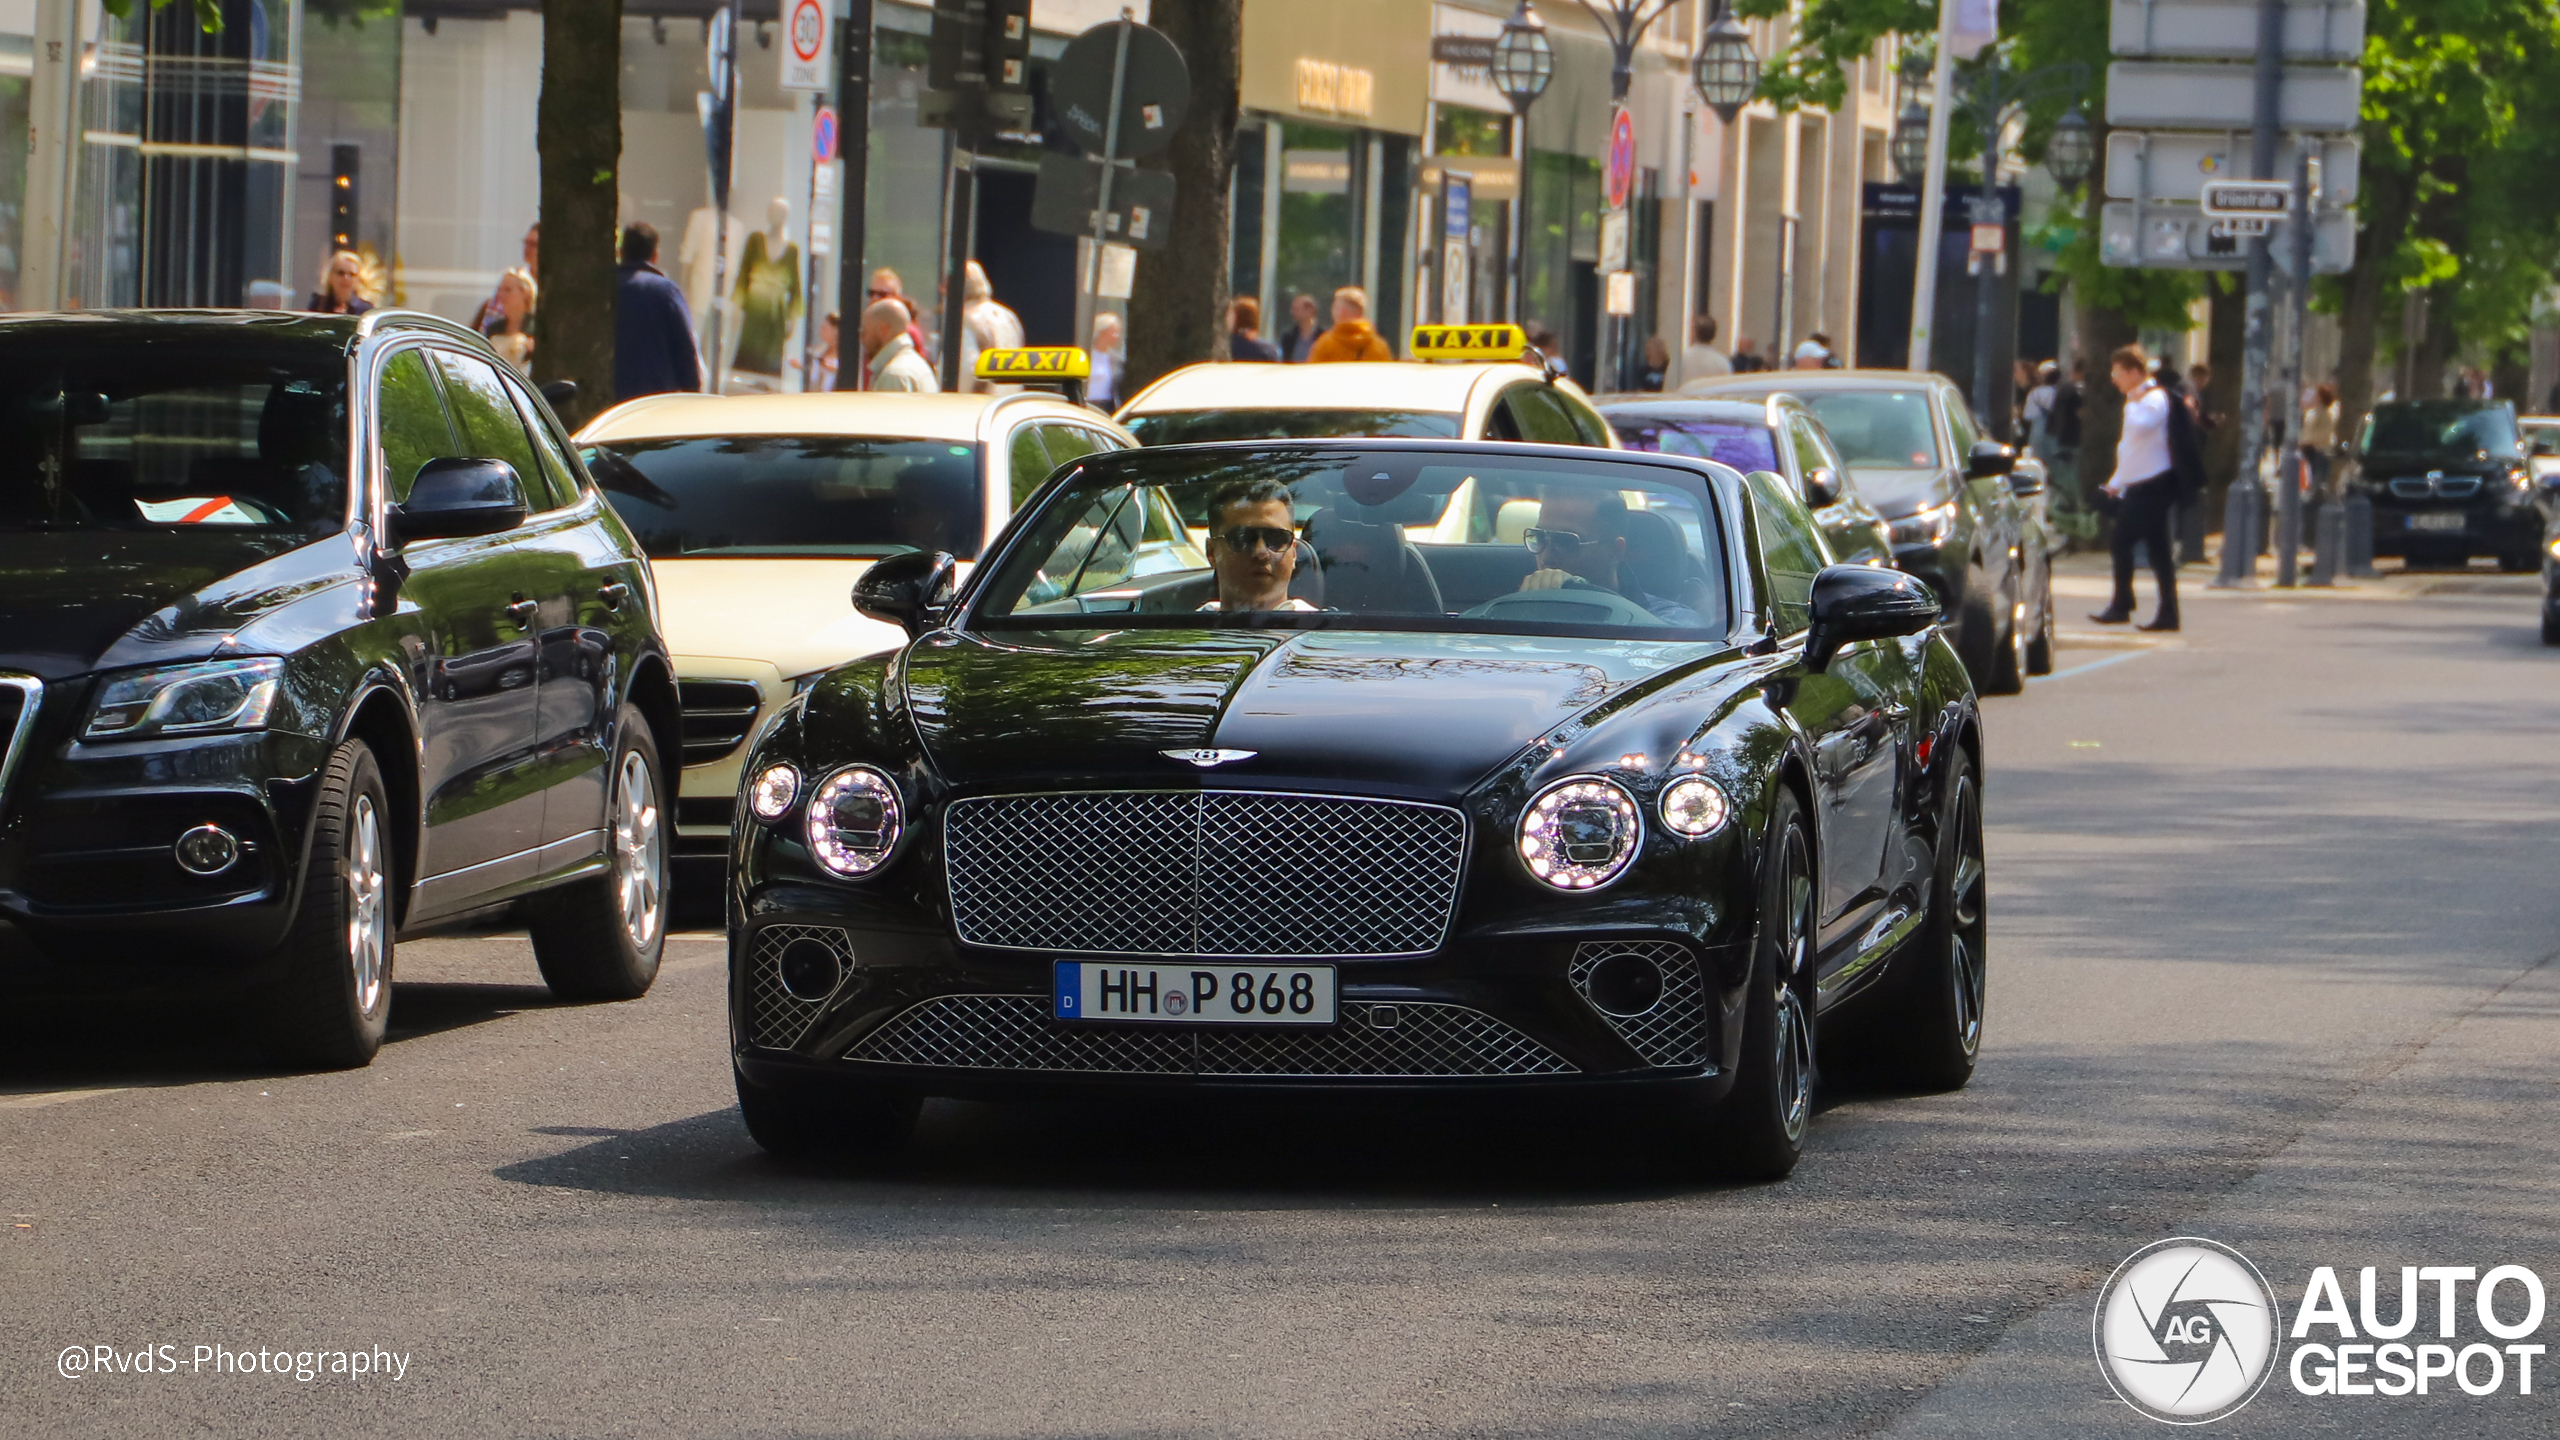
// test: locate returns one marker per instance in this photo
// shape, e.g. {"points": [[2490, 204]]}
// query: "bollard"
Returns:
{"points": [[2191, 532], [2239, 536], [2329, 540], [2360, 537]]}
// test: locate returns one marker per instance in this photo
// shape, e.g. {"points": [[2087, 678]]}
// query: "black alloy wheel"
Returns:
{"points": [[1758, 1132], [1946, 980], [601, 938], [332, 1006], [815, 1120]]}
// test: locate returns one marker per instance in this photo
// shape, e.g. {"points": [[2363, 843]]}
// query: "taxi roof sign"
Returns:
{"points": [[1035, 363], [1468, 342]]}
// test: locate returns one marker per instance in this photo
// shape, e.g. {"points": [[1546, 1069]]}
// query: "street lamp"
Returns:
{"points": [[1524, 62], [2070, 150], [1910, 145], [1726, 70]]}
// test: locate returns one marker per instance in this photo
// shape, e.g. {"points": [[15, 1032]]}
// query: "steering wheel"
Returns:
{"points": [[1575, 604]]}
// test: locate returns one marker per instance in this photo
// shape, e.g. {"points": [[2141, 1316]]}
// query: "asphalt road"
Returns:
{"points": [[2272, 963]]}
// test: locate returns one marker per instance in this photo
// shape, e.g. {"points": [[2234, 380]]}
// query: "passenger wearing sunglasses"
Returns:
{"points": [[1253, 548], [1581, 543]]}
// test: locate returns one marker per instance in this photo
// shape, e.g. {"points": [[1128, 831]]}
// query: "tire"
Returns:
{"points": [[332, 1005], [2009, 658], [600, 938], [2040, 649], [1947, 980], [1976, 631], [2520, 564], [1757, 1133], [843, 1120], [2550, 623]]}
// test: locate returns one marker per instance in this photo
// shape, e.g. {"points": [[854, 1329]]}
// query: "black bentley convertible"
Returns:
{"points": [[1390, 764]]}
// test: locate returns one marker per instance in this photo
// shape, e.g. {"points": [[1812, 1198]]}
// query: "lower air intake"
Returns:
{"points": [[1670, 1028], [777, 1018]]}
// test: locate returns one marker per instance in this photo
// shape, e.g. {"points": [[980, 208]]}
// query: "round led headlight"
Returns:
{"points": [[773, 791], [854, 820], [1694, 807], [1579, 834]]}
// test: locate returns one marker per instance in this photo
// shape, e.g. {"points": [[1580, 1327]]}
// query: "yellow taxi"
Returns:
{"points": [[1466, 382], [758, 513]]}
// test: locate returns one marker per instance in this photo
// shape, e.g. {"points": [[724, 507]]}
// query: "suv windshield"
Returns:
{"points": [[819, 495], [1879, 429], [1188, 427], [182, 434], [1400, 540], [2451, 429]]}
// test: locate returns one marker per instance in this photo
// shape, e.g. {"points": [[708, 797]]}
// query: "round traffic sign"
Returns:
{"points": [[1153, 96], [1620, 175], [822, 135], [808, 30]]}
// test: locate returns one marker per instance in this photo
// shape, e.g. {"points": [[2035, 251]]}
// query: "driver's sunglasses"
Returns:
{"points": [[1563, 542], [878, 294], [1246, 537]]}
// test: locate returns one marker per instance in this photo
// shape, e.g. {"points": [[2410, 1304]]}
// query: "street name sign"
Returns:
{"points": [[2247, 199], [2167, 236], [2171, 96], [2228, 30], [2169, 165]]}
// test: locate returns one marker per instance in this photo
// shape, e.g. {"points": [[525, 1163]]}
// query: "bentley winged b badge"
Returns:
{"points": [[1208, 759]]}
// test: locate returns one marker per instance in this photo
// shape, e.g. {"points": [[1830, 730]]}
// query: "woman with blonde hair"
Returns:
{"points": [[511, 332], [341, 281]]}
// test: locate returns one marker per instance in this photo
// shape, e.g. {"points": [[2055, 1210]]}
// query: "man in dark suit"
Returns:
{"points": [[653, 350]]}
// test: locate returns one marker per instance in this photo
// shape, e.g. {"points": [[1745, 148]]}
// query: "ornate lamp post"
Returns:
{"points": [[1524, 63], [1997, 96], [2070, 151], [1909, 148], [1726, 70]]}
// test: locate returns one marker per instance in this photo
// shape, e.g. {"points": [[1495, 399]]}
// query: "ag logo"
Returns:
{"points": [[2186, 1331]]}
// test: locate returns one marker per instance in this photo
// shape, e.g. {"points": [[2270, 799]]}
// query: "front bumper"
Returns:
{"points": [[2486, 527]]}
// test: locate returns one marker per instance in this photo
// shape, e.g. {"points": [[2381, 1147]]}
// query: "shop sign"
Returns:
{"points": [[1330, 89], [1364, 63], [1462, 58], [808, 49]]}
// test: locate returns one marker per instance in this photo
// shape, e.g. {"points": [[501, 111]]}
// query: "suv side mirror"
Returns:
{"points": [[1821, 487], [453, 498], [2027, 480], [908, 590], [1864, 602], [1989, 458], [558, 393]]}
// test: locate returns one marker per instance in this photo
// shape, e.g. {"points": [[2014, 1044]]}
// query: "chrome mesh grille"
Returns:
{"points": [[776, 1018], [1218, 872], [1674, 1031], [1015, 1032]]}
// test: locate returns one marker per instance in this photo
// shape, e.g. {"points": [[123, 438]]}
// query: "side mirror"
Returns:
{"points": [[1821, 487], [557, 393], [907, 590], [2545, 447], [2027, 480], [453, 498], [1989, 458], [1864, 602]]}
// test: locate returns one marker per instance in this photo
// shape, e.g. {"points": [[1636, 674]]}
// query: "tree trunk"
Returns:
{"points": [[2102, 332], [1178, 304], [2368, 291], [2441, 218], [579, 138], [2226, 334]]}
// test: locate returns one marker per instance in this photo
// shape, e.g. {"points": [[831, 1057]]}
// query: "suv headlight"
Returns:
{"points": [[1580, 834], [1925, 527], [855, 817], [204, 699]]}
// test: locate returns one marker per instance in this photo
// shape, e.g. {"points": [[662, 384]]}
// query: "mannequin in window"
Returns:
{"points": [[768, 293]]}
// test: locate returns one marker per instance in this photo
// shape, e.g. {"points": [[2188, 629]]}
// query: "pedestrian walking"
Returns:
{"points": [[1700, 359], [1102, 384], [2320, 435], [885, 285], [511, 333], [486, 321], [1303, 330], [341, 286], [2143, 491], [653, 350], [2036, 411], [1352, 337], [1244, 332], [1747, 359], [986, 323], [1811, 355], [829, 365], [1656, 370], [889, 357]]}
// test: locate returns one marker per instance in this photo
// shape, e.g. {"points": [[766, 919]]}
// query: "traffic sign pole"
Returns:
{"points": [[1091, 300], [1933, 190], [2239, 552], [853, 142]]}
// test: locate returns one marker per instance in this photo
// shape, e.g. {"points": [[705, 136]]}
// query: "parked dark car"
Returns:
{"points": [[1780, 435], [1961, 518], [312, 629], [1562, 820], [2449, 479]]}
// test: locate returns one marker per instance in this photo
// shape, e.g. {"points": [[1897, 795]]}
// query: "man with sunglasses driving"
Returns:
{"points": [[1253, 548], [1581, 544]]}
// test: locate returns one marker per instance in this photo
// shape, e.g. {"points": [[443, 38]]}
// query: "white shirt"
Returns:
{"points": [[1703, 362], [2142, 450], [898, 367]]}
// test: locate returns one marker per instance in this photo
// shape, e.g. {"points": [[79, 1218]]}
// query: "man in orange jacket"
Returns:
{"points": [[1351, 337]]}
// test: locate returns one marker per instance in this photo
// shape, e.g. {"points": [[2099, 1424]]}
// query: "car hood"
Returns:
{"points": [[796, 615], [75, 600], [1899, 492], [1415, 714], [2384, 464]]}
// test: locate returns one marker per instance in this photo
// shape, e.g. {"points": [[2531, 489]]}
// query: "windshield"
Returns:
{"points": [[2446, 428], [1879, 429], [817, 495], [1187, 427], [1399, 540], [1741, 444], [178, 434]]}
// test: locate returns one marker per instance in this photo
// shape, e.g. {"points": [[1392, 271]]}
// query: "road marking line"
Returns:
{"points": [[2085, 669], [42, 1098]]}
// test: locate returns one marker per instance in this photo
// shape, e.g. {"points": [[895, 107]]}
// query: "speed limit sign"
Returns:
{"points": [[808, 46]]}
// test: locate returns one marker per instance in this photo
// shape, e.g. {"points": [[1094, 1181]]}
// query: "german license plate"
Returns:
{"points": [[1195, 994], [2436, 520]]}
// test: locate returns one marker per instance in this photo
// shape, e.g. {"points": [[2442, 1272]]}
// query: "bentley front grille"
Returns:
{"points": [[718, 714], [1386, 1042], [777, 1018], [1651, 993], [1219, 872]]}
